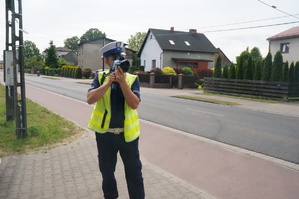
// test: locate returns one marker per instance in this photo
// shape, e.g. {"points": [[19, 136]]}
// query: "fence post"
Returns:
{"points": [[180, 81], [170, 80], [152, 80]]}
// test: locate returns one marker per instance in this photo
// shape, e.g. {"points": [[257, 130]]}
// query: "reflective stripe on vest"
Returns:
{"points": [[101, 115]]}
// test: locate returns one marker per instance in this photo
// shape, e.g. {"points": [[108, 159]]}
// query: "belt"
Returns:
{"points": [[116, 130]]}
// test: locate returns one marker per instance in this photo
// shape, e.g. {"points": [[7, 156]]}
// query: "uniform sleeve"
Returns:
{"points": [[95, 83], [136, 88]]}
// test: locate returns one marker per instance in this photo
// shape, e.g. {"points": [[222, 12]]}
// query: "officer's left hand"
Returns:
{"points": [[120, 75]]}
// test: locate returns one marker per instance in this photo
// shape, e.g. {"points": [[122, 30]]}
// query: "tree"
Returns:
{"points": [[225, 72], [266, 75], [248, 68], [217, 70], [72, 43], [258, 69], [30, 49], [232, 71], [296, 73], [256, 54], [34, 63], [240, 64], [286, 72], [92, 34], [292, 72], [277, 68], [135, 42], [51, 56]]}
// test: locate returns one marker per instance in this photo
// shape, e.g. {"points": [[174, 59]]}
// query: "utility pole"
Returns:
{"points": [[14, 68]]}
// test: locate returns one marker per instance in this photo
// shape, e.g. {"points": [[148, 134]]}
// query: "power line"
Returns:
{"points": [[245, 22], [277, 9], [252, 27]]}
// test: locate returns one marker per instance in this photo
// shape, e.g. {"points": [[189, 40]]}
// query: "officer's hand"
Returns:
{"points": [[112, 78], [120, 75]]}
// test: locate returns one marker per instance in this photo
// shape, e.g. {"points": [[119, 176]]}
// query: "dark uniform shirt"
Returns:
{"points": [[117, 101]]}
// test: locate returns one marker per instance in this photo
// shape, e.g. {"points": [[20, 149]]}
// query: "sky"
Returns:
{"points": [[231, 25]]}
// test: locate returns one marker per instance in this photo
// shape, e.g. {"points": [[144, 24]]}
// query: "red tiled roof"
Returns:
{"points": [[290, 33]]}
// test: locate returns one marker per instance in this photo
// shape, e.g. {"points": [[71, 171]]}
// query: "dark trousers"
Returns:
{"points": [[108, 146]]}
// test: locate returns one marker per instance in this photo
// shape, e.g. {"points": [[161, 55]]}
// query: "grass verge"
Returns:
{"points": [[245, 98], [204, 99], [45, 130]]}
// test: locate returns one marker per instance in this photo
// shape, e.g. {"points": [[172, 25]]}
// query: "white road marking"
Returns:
{"points": [[189, 109]]}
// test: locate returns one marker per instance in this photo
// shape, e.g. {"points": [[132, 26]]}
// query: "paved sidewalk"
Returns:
{"points": [[71, 171]]}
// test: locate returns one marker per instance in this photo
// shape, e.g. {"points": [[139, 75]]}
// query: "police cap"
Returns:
{"points": [[112, 48]]}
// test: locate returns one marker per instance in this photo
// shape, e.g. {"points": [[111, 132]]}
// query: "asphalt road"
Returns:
{"points": [[271, 134]]}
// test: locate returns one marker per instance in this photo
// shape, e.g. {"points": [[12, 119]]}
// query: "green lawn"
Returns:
{"points": [[45, 130]]}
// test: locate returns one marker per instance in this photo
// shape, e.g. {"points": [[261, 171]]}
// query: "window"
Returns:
{"points": [[187, 43], [284, 47], [153, 63], [171, 42]]}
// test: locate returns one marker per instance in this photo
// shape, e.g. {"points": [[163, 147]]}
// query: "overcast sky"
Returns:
{"points": [[57, 20]]}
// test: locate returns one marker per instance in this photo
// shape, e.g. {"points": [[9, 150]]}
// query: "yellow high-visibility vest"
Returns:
{"points": [[101, 114]]}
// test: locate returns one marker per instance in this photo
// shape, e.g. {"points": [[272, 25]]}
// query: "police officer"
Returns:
{"points": [[116, 123]]}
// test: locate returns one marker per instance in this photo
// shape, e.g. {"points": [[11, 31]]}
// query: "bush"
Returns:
{"points": [[178, 70], [168, 70], [205, 73], [78, 73], [187, 71], [86, 73], [139, 72], [157, 71]]}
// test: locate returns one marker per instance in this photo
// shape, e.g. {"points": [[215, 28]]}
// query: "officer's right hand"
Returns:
{"points": [[112, 78]]}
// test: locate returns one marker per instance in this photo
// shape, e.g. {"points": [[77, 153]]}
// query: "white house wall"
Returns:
{"points": [[151, 51], [293, 54]]}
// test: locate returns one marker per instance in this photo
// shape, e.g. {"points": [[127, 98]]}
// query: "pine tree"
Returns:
{"points": [[240, 64], [248, 69], [266, 75], [286, 72], [258, 70], [296, 73], [292, 72], [51, 56], [277, 68], [225, 72], [232, 71], [217, 70]]}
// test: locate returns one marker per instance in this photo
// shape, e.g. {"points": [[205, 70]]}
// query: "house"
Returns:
{"points": [[224, 59], [177, 49], [67, 54], [1, 64], [71, 57], [89, 56], [287, 42]]}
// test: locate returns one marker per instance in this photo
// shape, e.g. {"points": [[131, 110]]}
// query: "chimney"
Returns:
{"points": [[172, 28], [192, 31]]}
